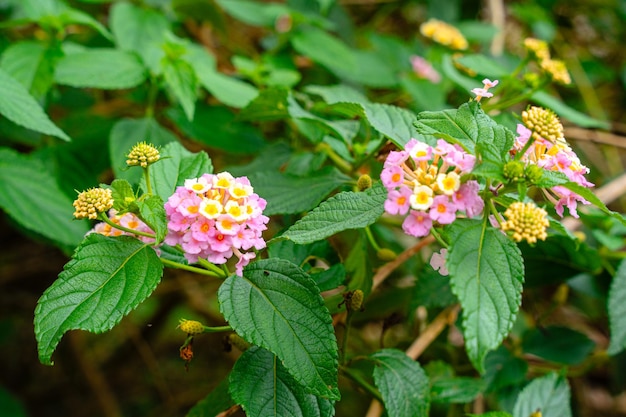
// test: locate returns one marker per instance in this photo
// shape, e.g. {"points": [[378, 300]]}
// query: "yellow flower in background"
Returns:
{"points": [[444, 34]]}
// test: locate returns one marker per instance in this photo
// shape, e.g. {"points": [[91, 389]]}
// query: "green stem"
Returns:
{"points": [[189, 268], [337, 160], [438, 238], [346, 335], [146, 176], [517, 99], [217, 329], [108, 221], [214, 268], [370, 238], [362, 382]]}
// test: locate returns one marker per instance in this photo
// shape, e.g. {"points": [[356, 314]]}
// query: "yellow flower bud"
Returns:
{"points": [[526, 221], [544, 124], [191, 326], [142, 154], [92, 202]]}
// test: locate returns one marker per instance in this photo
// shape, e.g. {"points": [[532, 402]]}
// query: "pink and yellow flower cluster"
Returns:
{"points": [[555, 155], [215, 217], [427, 183]]}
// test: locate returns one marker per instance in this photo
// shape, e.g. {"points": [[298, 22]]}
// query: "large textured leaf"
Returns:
{"points": [[140, 30], [617, 311], [181, 79], [277, 306], [346, 210], [284, 193], [470, 127], [177, 165], [264, 388], [17, 105], [106, 279], [402, 382], [128, 132], [486, 274], [100, 68], [30, 195], [394, 122], [550, 394]]}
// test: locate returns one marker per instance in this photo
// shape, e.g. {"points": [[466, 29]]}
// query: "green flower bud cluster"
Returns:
{"points": [[517, 171]]}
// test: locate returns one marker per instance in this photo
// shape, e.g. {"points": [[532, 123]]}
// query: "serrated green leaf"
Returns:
{"points": [[277, 306], [486, 274], [218, 128], [402, 382], [394, 122], [270, 104], [125, 134], [432, 290], [106, 279], [264, 388], [100, 68], [17, 105], [617, 311], [558, 344], [503, 369], [346, 210], [330, 278], [181, 79], [152, 212], [213, 404], [324, 49], [456, 390], [75, 16], [550, 394], [140, 30], [176, 165], [492, 414], [284, 193], [484, 65], [123, 195], [228, 90], [30, 195]]}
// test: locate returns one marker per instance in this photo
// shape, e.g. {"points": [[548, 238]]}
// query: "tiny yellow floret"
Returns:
{"points": [[526, 221], [544, 124]]}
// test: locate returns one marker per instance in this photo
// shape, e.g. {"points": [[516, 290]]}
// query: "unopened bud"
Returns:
{"points": [[514, 170], [235, 340], [356, 301], [191, 326], [142, 154], [533, 173], [385, 254], [364, 182]]}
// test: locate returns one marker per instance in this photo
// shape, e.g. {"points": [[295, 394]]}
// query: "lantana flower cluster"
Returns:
{"points": [[215, 217], [556, 69], [549, 150], [427, 183], [444, 34], [127, 220]]}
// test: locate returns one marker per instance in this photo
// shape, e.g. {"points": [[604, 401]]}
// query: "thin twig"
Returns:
{"points": [[385, 270]]}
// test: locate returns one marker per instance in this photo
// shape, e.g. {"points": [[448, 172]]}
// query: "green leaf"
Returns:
{"points": [[484, 65], [100, 68], [432, 290], [277, 306], [152, 212], [565, 111], [30, 195], [284, 193], [330, 278], [550, 394], [125, 134], [471, 128], [492, 414], [104, 281], [140, 30], [558, 259], [617, 311], [456, 390], [394, 122], [228, 90], [23, 60], [486, 274], [324, 49], [254, 13], [181, 79], [213, 404], [10, 405], [503, 369], [176, 165], [346, 210], [264, 388], [558, 344], [218, 128], [74, 16], [123, 194], [402, 382], [270, 104], [17, 105]]}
